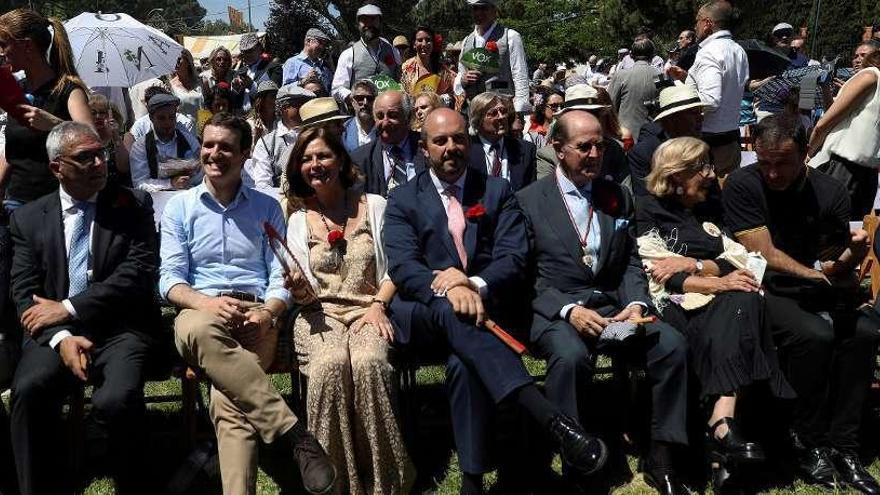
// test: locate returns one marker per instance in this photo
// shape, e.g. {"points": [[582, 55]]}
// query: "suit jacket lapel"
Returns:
{"points": [[556, 215], [379, 168], [474, 189], [514, 160], [606, 232], [102, 236], [53, 245]]}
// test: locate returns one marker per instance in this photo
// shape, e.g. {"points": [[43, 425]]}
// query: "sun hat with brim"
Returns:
{"points": [[319, 111], [162, 100], [291, 94], [677, 98], [400, 40], [581, 97], [783, 26], [369, 9]]}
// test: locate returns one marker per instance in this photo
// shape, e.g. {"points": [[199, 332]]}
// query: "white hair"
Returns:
{"points": [[64, 134]]}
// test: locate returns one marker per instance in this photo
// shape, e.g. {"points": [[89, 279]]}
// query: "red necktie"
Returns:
{"points": [[496, 162]]}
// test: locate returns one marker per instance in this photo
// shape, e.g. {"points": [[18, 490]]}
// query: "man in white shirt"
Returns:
{"points": [[719, 74], [513, 74], [164, 142], [268, 159], [370, 56]]}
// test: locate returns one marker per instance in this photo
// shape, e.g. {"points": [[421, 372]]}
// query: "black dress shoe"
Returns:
{"points": [[665, 483], [582, 452], [854, 474], [732, 448], [818, 468]]}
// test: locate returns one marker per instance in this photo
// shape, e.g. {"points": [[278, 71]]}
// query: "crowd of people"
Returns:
{"points": [[400, 201]]}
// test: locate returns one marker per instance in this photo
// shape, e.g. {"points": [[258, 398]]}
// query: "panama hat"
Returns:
{"points": [[319, 111], [677, 98]]}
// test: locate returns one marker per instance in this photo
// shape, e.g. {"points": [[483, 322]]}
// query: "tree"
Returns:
{"points": [[289, 20]]}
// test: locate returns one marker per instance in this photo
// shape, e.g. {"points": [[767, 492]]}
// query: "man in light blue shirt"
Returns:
{"points": [[218, 268], [310, 60]]}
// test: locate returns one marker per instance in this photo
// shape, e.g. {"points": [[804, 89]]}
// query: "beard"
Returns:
{"points": [[369, 33]]}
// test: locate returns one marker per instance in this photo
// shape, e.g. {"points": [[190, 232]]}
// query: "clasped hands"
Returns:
{"points": [[590, 323], [247, 325], [461, 292]]}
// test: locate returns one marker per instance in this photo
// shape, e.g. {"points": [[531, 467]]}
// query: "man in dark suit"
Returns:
{"points": [[588, 275], [491, 152], [393, 157], [83, 281], [456, 247]]}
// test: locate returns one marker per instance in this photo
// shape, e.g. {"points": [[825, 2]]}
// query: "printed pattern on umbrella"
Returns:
{"points": [[775, 92], [117, 50]]}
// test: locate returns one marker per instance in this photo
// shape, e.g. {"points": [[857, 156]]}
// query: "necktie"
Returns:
{"points": [[398, 170], [455, 219], [496, 161], [78, 257]]}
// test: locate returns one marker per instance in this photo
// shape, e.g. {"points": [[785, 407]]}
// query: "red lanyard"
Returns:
{"points": [[583, 242]]}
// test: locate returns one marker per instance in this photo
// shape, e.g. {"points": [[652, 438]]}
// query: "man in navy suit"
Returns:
{"points": [[83, 281], [589, 275], [393, 158], [456, 246], [493, 152]]}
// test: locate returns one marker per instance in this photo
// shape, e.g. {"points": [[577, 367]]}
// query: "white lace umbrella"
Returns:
{"points": [[117, 50]]}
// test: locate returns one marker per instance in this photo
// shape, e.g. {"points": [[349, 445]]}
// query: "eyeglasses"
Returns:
{"points": [[587, 147], [87, 159], [363, 97]]}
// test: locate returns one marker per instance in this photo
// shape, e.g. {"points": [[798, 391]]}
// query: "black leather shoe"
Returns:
{"points": [[854, 474], [582, 452], [318, 473], [818, 468], [665, 483], [732, 448]]}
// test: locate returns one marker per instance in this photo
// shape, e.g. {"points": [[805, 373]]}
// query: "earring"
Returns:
{"points": [[679, 190]]}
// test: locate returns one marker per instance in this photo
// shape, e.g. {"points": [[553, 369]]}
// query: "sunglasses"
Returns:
{"points": [[87, 159]]}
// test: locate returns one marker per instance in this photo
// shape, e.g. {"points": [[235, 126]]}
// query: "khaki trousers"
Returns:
{"points": [[245, 408]]}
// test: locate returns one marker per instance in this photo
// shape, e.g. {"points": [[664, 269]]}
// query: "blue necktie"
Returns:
{"points": [[78, 257]]}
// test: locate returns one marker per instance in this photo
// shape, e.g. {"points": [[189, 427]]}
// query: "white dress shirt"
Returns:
{"points": [[140, 169], [719, 74], [68, 219], [408, 159], [264, 162], [441, 186], [519, 70], [342, 77], [490, 157]]}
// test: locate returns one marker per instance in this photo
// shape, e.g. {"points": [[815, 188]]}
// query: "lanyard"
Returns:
{"points": [[583, 242]]}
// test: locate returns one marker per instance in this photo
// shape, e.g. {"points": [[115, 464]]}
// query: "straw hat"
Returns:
{"points": [[677, 98], [581, 97], [320, 110]]}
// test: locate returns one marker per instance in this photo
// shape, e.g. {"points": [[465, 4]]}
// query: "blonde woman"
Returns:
{"points": [[185, 86], [423, 103], [342, 334], [729, 347]]}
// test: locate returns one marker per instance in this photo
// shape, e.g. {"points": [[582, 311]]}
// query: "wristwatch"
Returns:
{"points": [[699, 266]]}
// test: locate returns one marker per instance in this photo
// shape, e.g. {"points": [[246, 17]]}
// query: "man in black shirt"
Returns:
{"points": [[798, 219]]}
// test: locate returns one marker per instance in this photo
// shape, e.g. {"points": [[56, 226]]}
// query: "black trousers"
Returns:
{"points": [[860, 182], [39, 387], [480, 372], [570, 365], [829, 365]]}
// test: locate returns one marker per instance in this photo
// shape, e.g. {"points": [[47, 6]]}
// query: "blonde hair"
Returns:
{"points": [[672, 157], [480, 106], [19, 24], [435, 103]]}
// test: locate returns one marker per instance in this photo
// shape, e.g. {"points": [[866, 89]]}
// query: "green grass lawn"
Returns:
{"points": [[166, 452]]}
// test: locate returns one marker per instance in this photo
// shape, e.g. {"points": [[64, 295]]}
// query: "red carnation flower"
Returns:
{"points": [[389, 60], [476, 211], [438, 42], [264, 56], [223, 85], [492, 46], [606, 197], [334, 236]]}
